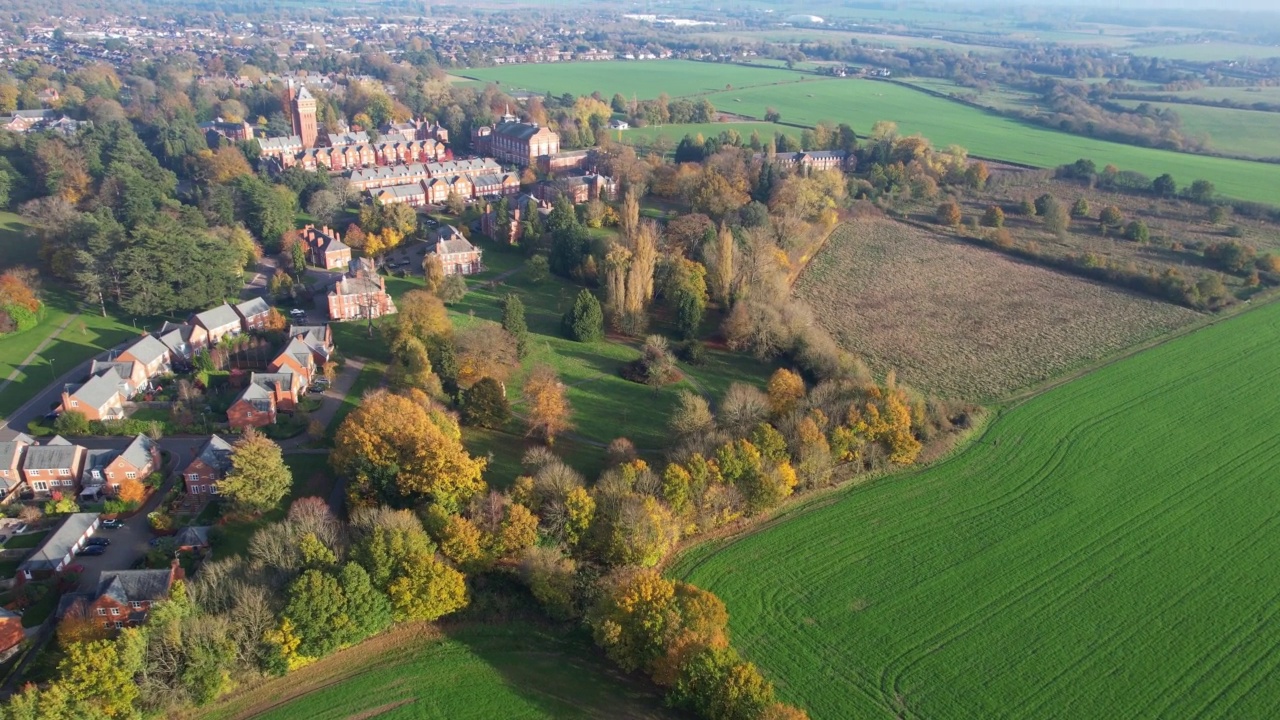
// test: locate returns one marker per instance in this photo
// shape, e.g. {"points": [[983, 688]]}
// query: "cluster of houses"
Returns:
{"points": [[60, 466], [432, 184], [128, 372], [26, 121]]}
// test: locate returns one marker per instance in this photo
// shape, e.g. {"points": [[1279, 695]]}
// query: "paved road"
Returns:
{"points": [[49, 397]]}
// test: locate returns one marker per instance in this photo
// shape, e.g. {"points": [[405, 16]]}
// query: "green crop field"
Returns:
{"points": [[862, 102], [1243, 95], [645, 136], [1247, 133], [644, 78], [1204, 52], [509, 670], [1104, 550]]}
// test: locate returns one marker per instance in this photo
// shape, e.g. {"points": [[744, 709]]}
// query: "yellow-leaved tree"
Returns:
{"points": [[406, 446]]}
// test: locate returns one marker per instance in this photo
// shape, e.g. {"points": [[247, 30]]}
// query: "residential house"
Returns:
{"points": [[415, 130], [467, 168], [298, 358], [151, 355], [53, 467], [317, 337], [439, 188], [485, 186], [253, 313], [379, 177], [102, 397], [11, 632], [182, 339], [348, 138], [217, 129], [284, 150], [814, 160], [192, 537], [135, 462], [11, 452], [48, 96], [618, 125], [209, 466], [457, 255], [326, 248], [360, 294], [218, 322], [413, 195], [266, 395], [93, 478], [59, 547], [125, 597]]}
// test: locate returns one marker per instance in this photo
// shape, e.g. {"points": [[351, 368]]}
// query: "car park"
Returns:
{"points": [[91, 550], [98, 541]]}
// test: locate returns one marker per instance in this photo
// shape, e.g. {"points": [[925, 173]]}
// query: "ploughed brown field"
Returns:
{"points": [[964, 322]]}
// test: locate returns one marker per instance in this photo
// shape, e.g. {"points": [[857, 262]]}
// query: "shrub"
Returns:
{"points": [[72, 422], [1137, 231], [1111, 217], [585, 320], [993, 217], [484, 404], [948, 213], [1080, 209], [1231, 256]]}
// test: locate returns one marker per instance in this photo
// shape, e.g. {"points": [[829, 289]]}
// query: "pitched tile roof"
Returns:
{"points": [[216, 453], [125, 586], [252, 307], [138, 454], [217, 317], [98, 391], [147, 349], [52, 456]]}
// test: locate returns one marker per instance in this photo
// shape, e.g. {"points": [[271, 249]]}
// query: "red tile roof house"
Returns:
{"points": [[360, 294], [104, 470], [218, 322], [125, 597], [11, 453], [100, 398], [208, 467], [58, 549], [457, 255], [266, 395], [53, 467], [253, 314]]}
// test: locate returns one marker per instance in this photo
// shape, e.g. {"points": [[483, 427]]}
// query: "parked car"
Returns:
{"points": [[101, 541], [113, 523], [297, 313], [89, 550]]}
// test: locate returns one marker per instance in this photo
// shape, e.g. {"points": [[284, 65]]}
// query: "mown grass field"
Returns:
{"points": [[1246, 133], [1204, 52], [1104, 550], [673, 134], [511, 671], [863, 102], [643, 78], [962, 321], [1244, 95]]}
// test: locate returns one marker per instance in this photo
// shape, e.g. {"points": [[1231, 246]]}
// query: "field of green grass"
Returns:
{"points": [[1247, 133], [1205, 52], [1103, 550], [673, 134], [863, 102], [513, 670], [1243, 95], [642, 78]]}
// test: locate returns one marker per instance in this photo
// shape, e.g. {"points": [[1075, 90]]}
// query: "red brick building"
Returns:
{"points": [[325, 247], [302, 108], [209, 466], [519, 143], [266, 395], [10, 629], [360, 294], [125, 597]]}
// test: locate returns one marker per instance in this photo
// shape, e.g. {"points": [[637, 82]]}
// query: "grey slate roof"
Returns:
{"points": [[52, 456], [254, 306], [217, 317], [125, 586], [450, 240], [97, 459], [517, 130], [268, 381], [313, 335], [123, 370], [348, 138], [176, 337], [193, 536], [399, 191], [138, 454], [147, 349], [59, 543], [216, 453], [280, 144], [299, 350], [98, 390]]}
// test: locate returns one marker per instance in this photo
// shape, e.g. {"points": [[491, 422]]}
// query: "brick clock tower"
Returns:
{"points": [[302, 107]]}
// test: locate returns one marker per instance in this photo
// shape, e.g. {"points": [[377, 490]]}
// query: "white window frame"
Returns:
{"points": [[64, 472], [131, 476], [75, 403], [213, 488], [193, 476], [33, 473], [40, 486], [115, 611], [135, 604], [102, 611]]}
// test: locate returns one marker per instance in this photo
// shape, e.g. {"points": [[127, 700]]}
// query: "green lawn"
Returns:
{"points": [[673, 134], [863, 102], [1104, 550], [29, 540], [510, 670], [642, 79], [1205, 52]]}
